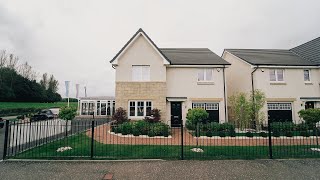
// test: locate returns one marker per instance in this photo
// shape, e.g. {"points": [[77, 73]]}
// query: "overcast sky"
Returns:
{"points": [[75, 39]]}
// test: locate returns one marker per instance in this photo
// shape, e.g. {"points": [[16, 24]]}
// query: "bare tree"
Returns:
{"points": [[44, 81], [12, 62], [26, 71], [3, 58]]}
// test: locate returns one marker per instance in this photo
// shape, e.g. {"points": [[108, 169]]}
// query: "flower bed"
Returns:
{"points": [[137, 128]]}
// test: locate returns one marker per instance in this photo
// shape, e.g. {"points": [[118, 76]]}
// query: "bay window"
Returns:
{"points": [[140, 108]]}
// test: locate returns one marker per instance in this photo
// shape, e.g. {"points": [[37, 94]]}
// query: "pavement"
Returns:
{"points": [[220, 169]]}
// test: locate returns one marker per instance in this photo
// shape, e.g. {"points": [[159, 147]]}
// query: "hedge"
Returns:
{"points": [[18, 111]]}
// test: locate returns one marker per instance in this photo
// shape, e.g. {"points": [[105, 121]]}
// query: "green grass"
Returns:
{"points": [[14, 105], [81, 145]]}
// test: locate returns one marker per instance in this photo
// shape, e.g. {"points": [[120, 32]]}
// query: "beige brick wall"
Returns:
{"points": [[154, 91]]}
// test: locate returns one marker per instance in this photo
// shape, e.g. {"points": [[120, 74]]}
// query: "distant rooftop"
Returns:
{"points": [[98, 98], [309, 50]]}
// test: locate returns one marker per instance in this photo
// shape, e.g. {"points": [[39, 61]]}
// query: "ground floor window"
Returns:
{"points": [[211, 107], [140, 108]]}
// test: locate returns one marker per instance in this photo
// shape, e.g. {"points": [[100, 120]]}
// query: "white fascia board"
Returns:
{"points": [[285, 67], [199, 66], [165, 61]]}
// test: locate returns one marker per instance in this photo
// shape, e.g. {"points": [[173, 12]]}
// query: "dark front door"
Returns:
{"points": [[309, 105], [176, 114]]}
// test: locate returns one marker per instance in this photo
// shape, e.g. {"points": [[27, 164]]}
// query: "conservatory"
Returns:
{"points": [[98, 106]]}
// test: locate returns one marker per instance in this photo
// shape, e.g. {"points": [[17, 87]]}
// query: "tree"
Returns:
{"points": [[196, 115], [241, 108], [44, 81], [258, 100], [67, 113], [310, 116], [247, 111]]}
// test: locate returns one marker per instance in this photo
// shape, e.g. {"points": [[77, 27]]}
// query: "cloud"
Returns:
{"points": [[74, 40]]}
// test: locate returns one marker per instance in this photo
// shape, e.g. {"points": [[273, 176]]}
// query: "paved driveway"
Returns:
{"points": [[257, 169]]}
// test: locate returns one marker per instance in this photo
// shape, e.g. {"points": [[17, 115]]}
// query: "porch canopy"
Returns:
{"points": [[176, 99]]}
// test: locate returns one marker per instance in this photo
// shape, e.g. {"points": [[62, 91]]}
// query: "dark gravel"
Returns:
{"points": [[240, 169]]}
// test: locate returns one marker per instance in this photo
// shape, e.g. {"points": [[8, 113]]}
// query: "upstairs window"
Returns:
{"points": [[306, 75], [276, 75], [205, 74], [140, 73]]}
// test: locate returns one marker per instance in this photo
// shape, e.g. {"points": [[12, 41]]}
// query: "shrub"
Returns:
{"points": [[305, 133], [197, 115], [120, 116], [263, 134], [142, 126], [282, 126], [126, 128], [316, 132], [311, 116], [151, 134], [276, 133], [155, 116], [249, 134], [115, 129], [135, 132], [232, 133], [302, 127], [289, 133], [222, 134], [209, 133], [67, 113]]}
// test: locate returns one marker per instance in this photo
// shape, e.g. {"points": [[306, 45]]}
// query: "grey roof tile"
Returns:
{"points": [[193, 56], [278, 57], [309, 50]]}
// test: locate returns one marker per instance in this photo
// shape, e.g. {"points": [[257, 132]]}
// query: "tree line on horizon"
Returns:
{"points": [[18, 82]]}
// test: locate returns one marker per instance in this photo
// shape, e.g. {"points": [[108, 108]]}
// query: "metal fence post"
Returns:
{"points": [[182, 141], [92, 139], [5, 145], [270, 139]]}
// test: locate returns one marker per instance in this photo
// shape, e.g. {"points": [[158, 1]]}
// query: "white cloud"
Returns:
{"points": [[74, 40]]}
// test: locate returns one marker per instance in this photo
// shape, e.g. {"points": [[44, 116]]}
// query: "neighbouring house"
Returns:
{"points": [[289, 78], [172, 80], [101, 106]]}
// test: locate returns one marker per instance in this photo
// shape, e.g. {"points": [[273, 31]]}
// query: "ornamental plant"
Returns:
{"points": [[120, 116], [310, 116], [197, 115], [67, 113]]}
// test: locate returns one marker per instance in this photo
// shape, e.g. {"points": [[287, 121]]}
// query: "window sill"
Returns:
{"points": [[308, 83], [205, 83], [278, 83]]}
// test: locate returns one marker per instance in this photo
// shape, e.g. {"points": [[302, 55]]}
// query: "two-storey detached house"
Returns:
{"points": [[172, 80], [289, 81]]}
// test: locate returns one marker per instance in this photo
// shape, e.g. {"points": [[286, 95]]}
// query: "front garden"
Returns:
{"points": [[151, 126]]}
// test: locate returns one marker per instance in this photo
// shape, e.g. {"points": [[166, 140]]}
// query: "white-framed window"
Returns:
{"points": [[276, 75], [206, 106], [140, 73], [279, 106], [199, 105], [140, 108], [306, 75], [205, 74]]}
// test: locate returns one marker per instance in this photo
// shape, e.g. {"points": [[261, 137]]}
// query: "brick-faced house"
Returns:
{"points": [[170, 79]]}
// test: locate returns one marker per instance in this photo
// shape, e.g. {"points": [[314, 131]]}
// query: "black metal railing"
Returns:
{"points": [[101, 139]]}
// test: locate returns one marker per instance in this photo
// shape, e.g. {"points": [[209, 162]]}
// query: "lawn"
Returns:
{"points": [[81, 149], [20, 108], [13, 105]]}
